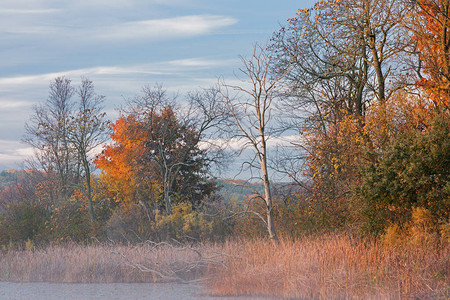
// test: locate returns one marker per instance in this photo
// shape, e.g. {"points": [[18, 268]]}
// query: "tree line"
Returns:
{"points": [[362, 85]]}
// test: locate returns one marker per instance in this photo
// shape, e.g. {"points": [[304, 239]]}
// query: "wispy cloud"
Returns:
{"points": [[185, 26], [27, 11], [85, 27], [242, 143], [12, 153], [161, 68], [201, 62], [8, 104]]}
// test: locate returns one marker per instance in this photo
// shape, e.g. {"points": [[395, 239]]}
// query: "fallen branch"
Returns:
{"points": [[178, 268]]}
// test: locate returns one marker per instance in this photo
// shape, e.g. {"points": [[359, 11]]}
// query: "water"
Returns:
{"points": [[105, 291]]}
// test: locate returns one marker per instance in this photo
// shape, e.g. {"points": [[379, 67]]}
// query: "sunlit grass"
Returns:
{"points": [[333, 267]]}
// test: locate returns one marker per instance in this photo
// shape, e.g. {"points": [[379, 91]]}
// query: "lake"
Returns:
{"points": [[105, 291]]}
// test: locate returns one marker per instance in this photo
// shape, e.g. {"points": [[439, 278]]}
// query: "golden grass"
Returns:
{"points": [[102, 264], [325, 267], [333, 267]]}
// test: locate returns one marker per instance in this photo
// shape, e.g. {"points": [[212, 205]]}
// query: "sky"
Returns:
{"points": [[122, 45]]}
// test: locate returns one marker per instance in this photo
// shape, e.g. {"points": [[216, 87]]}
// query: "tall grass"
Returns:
{"points": [[333, 267], [325, 267], [102, 264]]}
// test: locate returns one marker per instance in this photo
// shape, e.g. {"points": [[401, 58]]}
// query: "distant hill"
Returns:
{"points": [[237, 189], [230, 189], [240, 189], [9, 176]]}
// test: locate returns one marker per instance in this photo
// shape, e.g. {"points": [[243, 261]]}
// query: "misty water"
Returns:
{"points": [[105, 291]]}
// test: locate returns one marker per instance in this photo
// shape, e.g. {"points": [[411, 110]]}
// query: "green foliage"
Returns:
{"points": [[69, 222], [22, 221], [309, 215], [413, 171]]}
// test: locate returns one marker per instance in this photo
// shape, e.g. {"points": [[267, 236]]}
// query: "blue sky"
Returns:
{"points": [[121, 45]]}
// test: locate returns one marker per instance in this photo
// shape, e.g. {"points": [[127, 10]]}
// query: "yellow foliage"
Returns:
{"points": [[444, 231], [183, 223], [422, 231], [393, 236], [422, 219], [385, 120], [29, 245]]}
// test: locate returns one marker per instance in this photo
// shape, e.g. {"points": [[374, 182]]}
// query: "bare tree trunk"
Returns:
{"points": [[267, 195], [87, 177], [167, 200]]}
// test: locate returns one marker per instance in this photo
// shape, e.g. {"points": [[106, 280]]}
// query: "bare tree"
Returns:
{"points": [[64, 132], [209, 115], [47, 132], [251, 110], [88, 130]]}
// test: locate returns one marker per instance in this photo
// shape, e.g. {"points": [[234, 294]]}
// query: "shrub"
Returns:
{"points": [[69, 222], [412, 172], [138, 224], [22, 221], [129, 224]]}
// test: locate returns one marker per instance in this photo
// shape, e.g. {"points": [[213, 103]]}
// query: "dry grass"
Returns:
{"points": [[327, 267], [105, 263], [333, 267]]}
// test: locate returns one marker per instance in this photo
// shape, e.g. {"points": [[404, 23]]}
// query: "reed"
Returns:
{"points": [[333, 267], [321, 267], [103, 264]]}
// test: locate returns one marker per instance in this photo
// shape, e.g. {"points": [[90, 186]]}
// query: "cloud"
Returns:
{"points": [[116, 82], [94, 22], [121, 4], [178, 27], [12, 153], [240, 143], [7, 104], [201, 62], [161, 68], [27, 11]]}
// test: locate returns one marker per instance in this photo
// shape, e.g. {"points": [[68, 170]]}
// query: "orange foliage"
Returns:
{"points": [[433, 41], [116, 160], [146, 160], [385, 121]]}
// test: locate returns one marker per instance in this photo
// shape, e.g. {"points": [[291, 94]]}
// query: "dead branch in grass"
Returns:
{"points": [[181, 265]]}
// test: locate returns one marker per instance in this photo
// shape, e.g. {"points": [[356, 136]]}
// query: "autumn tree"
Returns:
{"points": [[410, 169], [342, 55], [117, 161], [157, 152], [431, 27]]}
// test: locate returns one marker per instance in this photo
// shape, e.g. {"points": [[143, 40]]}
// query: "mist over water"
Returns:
{"points": [[104, 291]]}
